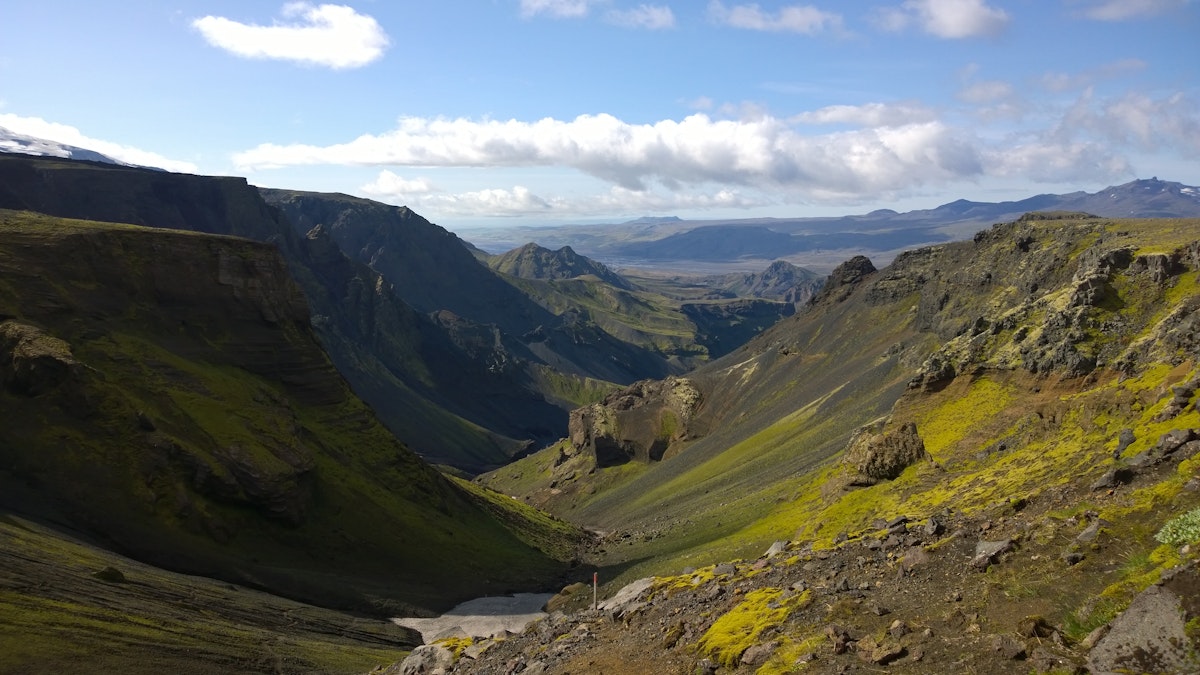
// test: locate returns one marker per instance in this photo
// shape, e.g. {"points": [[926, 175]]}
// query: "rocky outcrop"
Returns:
{"points": [[874, 456], [843, 279], [640, 422]]}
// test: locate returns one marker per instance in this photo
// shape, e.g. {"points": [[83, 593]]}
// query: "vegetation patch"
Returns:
{"points": [[741, 627]]}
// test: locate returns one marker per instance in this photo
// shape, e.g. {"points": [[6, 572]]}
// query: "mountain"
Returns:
{"points": [[563, 326], [662, 315], [12, 142], [164, 393], [379, 343], [535, 262], [781, 280], [980, 457], [822, 242]]}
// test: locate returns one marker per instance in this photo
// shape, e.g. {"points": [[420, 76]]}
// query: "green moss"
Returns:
{"points": [[741, 627], [790, 650]]}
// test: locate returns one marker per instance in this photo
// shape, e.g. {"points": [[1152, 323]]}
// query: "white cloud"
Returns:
{"points": [[869, 115], [1120, 10], [950, 19], [391, 184], [649, 17], [68, 135], [1172, 122], [804, 19], [520, 201], [559, 9], [694, 151], [870, 150], [334, 36]]}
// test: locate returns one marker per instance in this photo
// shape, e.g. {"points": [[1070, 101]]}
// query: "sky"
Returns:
{"points": [[526, 112]]}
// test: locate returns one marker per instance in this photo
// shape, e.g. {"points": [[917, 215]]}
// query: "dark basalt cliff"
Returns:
{"points": [[459, 412]]}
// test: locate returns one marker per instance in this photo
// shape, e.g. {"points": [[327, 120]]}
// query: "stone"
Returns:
{"points": [[1113, 477], [723, 569], [427, 660], [1090, 533], [881, 653], [1148, 637], [987, 551], [628, 599], [875, 457], [1008, 647], [1124, 440], [758, 654], [110, 574], [776, 549]]}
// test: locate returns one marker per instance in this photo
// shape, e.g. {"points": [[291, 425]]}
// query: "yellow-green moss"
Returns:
{"points": [[740, 628], [456, 645], [790, 650]]}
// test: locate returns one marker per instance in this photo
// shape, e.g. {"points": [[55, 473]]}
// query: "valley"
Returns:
{"points": [[225, 405]]}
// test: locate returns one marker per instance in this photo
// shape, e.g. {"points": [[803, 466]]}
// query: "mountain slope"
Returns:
{"points": [[164, 393], [790, 399], [970, 459], [379, 343], [536, 262], [436, 273]]}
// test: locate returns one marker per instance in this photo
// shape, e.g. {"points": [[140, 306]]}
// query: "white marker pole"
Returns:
{"points": [[595, 584]]}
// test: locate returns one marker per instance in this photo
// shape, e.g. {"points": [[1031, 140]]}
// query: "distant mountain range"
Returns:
{"points": [[822, 243]]}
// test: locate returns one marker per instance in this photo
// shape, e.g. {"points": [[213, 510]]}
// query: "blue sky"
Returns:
{"points": [[477, 112]]}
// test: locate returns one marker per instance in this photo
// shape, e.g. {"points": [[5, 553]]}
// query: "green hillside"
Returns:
{"points": [[163, 393]]}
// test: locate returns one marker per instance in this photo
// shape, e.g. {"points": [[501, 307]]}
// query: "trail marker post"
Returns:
{"points": [[595, 592]]}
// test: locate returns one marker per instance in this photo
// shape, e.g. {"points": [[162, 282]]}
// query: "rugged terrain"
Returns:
{"points": [[165, 398], [970, 460]]}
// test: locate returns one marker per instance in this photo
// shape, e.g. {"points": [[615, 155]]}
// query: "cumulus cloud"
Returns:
{"points": [[559, 9], [68, 135], [334, 36], [649, 17], [390, 184], [950, 19], [1120, 10], [804, 19], [520, 201], [1170, 122], [697, 150], [866, 151]]}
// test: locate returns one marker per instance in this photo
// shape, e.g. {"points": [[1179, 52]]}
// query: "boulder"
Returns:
{"points": [[1148, 637], [627, 600], [427, 660], [873, 457]]}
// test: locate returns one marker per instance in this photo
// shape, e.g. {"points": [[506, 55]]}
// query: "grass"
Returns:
{"points": [[55, 615]]}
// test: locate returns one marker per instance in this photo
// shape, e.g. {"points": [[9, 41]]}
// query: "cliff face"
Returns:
{"points": [[163, 391], [380, 344]]}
